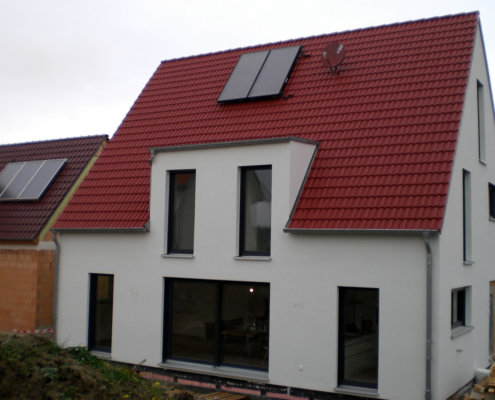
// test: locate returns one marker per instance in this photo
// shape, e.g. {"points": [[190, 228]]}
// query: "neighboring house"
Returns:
{"points": [[298, 225], [36, 182]]}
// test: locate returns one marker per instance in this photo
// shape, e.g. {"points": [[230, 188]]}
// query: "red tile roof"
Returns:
{"points": [[24, 220], [387, 124]]}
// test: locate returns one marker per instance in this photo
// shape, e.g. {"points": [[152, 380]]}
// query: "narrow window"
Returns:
{"points": [[217, 322], [358, 337], [491, 325], [466, 217], [100, 312], [181, 212], [458, 307], [255, 211], [491, 199], [481, 122]]}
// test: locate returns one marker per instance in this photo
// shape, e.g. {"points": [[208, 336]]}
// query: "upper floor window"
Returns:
{"points": [[481, 122], [466, 216], [182, 192], [255, 211]]}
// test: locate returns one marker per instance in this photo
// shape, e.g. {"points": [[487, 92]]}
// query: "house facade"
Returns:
{"points": [[325, 238], [36, 182]]}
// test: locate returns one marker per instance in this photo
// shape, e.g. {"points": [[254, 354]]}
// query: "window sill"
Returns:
{"points": [[460, 330], [223, 372], [102, 354], [177, 255], [468, 262], [356, 390], [253, 258]]}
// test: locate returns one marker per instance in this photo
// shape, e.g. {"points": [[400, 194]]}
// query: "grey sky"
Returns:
{"points": [[74, 68]]}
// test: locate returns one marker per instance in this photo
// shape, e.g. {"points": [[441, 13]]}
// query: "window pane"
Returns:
{"points": [[101, 309], [192, 325], [217, 322], [491, 194], [181, 225], [358, 337], [466, 216], [458, 307], [245, 324], [256, 198]]}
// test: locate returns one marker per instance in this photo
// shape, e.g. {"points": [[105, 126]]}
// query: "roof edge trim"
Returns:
{"points": [[143, 229], [214, 145], [411, 232], [303, 183]]}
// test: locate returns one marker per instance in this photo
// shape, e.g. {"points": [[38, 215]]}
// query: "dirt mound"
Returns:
{"points": [[32, 367]]}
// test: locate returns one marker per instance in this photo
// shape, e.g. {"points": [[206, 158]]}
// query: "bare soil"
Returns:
{"points": [[34, 368]]}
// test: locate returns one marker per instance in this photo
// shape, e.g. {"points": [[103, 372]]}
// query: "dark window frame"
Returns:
{"points": [[92, 315], [218, 345], [458, 307], [341, 360], [491, 200], [480, 108], [466, 217], [171, 249], [242, 214]]}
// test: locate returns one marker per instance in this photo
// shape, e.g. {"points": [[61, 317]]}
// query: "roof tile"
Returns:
{"points": [[23, 220], [386, 122]]}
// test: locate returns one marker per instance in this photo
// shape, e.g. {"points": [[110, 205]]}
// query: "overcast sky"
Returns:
{"points": [[74, 67]]}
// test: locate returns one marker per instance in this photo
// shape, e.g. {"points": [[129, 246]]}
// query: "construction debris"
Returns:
{"points": [[484, 390]]}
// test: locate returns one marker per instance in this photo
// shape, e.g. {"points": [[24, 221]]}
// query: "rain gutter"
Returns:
{"points": [[55, 284], [426, 235], [429, 317]]}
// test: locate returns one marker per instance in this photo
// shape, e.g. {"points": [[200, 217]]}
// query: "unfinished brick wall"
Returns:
{"points": [[26, 289]]}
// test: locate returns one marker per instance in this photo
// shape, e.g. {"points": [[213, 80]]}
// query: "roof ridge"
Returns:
{"points": [[55, 140], [305, 38]]}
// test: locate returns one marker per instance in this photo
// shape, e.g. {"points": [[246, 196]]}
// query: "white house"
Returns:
{"points": [[311, 218]]}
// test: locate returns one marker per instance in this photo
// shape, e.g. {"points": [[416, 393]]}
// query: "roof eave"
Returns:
{"points": [[214, 145], [406, 232], [143, 229]]}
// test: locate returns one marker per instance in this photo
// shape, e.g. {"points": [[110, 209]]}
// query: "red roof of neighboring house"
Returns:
{"points": [[387, 124], [24, 220]]}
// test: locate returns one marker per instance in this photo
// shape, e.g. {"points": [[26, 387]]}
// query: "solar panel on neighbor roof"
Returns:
{"points": [[259, 74], [28, 180]]}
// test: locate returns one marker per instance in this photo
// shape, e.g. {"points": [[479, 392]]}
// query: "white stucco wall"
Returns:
{"points": [[455, 359], [304, 272]]}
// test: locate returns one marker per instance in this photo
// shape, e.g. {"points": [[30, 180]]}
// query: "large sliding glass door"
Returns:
{"points": [[217, 322]]}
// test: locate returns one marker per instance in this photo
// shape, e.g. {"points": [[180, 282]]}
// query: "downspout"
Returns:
{"points": [[55, 283], [429, 306]]}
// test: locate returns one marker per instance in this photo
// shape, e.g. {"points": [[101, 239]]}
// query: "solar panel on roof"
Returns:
{"points": [[242, 77], [274, 72], [259, 74], [8, 174], [28, 180]]}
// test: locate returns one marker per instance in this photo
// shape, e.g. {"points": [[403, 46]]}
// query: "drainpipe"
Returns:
{"points": [[429, 306], [55, 283]]}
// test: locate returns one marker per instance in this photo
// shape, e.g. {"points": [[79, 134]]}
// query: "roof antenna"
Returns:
{"points": [[332, 55]]}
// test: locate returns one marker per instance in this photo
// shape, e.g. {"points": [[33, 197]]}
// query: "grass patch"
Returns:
{"points": [[32, 367]]}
